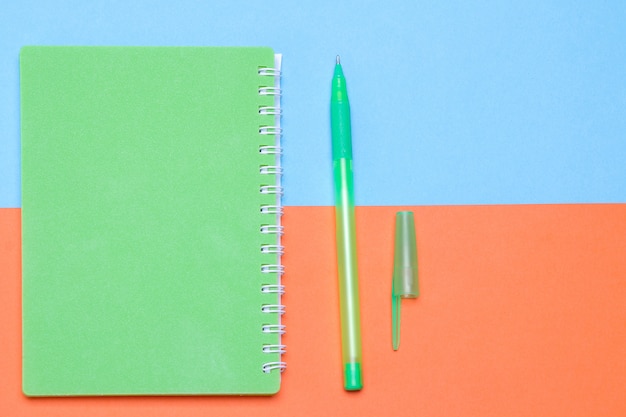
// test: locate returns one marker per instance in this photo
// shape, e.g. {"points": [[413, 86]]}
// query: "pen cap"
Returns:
{"points": [[405, 283]]}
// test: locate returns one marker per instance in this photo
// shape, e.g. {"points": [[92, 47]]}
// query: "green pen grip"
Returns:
{"points": [[340, 118]]}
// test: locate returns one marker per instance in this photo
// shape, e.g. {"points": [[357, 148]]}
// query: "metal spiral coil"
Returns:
{"points": [[270, 170], [273, 309], [274, 212], [274, 349], [273, 289], [272, 209], [279, 249], [270, 150], [272, 366]]}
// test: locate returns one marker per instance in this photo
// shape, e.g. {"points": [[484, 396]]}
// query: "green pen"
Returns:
{"points": [[345, 233]]}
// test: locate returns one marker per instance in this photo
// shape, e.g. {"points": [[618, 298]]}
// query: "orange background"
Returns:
{"points": [[522, 313]]}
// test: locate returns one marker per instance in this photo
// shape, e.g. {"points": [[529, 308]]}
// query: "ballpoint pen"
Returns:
{"points": [[345, 232]]}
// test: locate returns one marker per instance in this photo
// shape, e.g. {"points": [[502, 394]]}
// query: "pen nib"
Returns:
{"points": [[338, 61]]}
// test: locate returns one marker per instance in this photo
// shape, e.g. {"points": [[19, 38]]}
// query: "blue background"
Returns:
{"points": [[480, 102]]}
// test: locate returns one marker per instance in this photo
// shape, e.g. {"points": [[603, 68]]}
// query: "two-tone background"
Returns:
{"points": [[501, 124]]}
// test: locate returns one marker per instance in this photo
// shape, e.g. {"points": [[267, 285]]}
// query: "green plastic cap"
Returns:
{"points": [[405, 282]]}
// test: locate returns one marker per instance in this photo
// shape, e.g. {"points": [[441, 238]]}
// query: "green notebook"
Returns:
{"points": [[151, 221]]}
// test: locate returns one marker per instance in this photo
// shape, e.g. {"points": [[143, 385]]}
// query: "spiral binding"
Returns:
{"points": [[270, 110], [273, 309], [272, 229], [272, 209], [269, 91], [274, 349], [272, 249], [273, 328], [271, 170], [274, 212], [273, 289], [272, 269], [270, 150], [270, 130], [271, 189]]}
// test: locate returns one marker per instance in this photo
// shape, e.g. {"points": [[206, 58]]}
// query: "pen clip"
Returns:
{"points": [[396, 304]]}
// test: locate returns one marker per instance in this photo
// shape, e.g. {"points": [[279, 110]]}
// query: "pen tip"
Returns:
{"points": [[338, 60]]}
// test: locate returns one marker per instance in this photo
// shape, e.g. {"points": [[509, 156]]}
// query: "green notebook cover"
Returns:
{"points": [[144, 215]]}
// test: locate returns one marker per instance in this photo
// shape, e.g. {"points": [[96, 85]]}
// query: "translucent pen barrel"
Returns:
{"points": [[348, 276], [345, 234]]}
